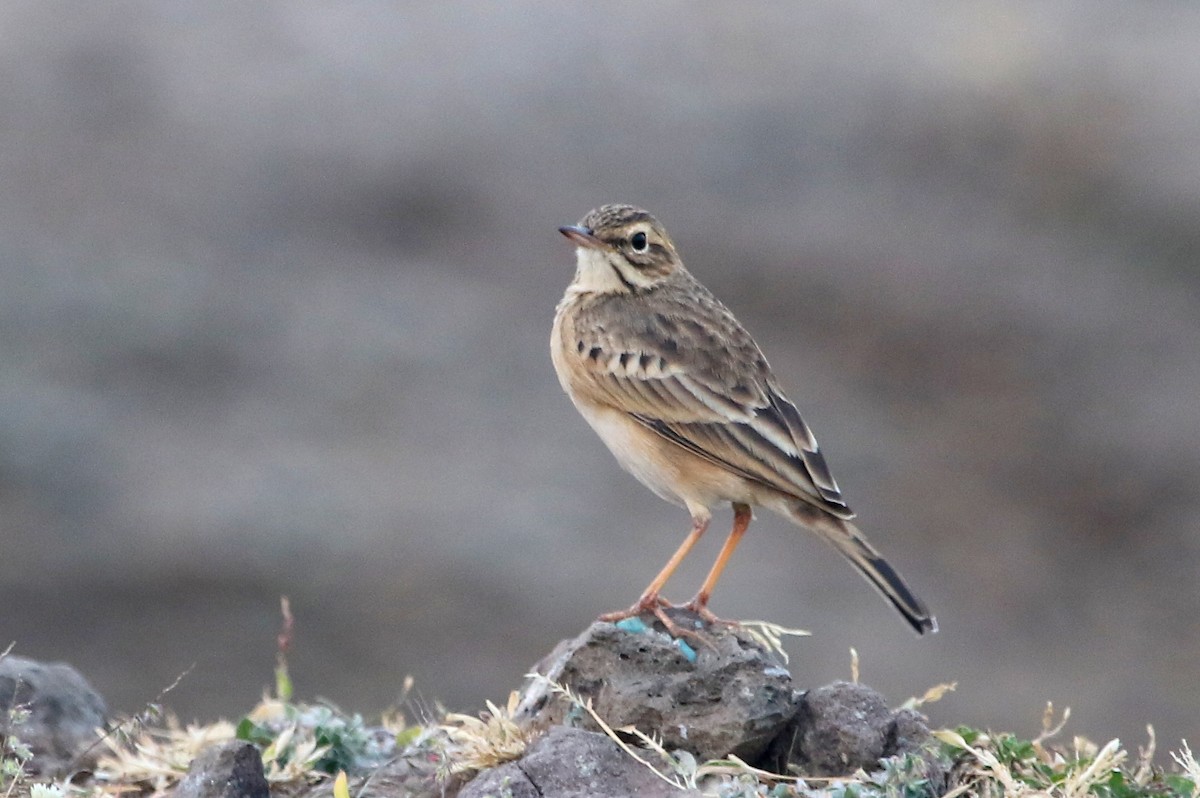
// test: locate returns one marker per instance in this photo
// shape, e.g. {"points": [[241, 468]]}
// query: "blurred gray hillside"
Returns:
{"points": [[276, 283]]}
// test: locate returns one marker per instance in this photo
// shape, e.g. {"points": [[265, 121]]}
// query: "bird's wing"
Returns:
{"points": [[707, 388]]}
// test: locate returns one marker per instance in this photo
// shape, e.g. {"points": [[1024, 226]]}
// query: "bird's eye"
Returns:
{"points": [[638, 242]]}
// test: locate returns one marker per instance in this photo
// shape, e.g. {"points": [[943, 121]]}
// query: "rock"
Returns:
{"points": [[843, 727], [505, 781], [64, 715], [713, 700], [571, 763], [400, 779], [909, 732], [226, 770]]}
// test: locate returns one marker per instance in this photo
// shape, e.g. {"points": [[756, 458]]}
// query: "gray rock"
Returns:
{"points": [[908, 734], [227, 770], [64, 714], [571, 763], [727, 697], [842, 727], [505, 781]]}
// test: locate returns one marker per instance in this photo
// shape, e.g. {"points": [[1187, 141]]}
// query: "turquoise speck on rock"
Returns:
{"points": [[687, 650], [632, 625]]}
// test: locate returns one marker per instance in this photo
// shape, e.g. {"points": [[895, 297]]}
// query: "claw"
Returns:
{"points": [[708, 616], [677, 631], [651, 602]]}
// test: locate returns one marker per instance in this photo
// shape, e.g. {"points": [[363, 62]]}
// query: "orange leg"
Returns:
{"points": [[742, 516], [650, 599]]}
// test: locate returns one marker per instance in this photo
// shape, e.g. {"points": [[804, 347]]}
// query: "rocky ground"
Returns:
{"points": [[621, 710], [276, 283]]}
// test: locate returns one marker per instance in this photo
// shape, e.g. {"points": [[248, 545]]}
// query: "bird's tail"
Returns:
{"points": [[847, 539]]}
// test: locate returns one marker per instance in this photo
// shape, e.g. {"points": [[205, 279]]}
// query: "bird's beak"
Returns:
{"points": [[582, 236]]}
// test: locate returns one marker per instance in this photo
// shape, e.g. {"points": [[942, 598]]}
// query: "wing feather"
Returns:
{"points": [[708, 389]]}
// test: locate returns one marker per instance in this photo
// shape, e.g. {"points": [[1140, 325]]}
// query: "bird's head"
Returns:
{"points": [[621, 249]]}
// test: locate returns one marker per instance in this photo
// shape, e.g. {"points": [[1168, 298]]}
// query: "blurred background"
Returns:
{"points": [[276, 283]]}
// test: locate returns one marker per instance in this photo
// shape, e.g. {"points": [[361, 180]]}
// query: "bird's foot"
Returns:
{"points": [[680, 632], [657, 606], [701, 609], [648, 603]]}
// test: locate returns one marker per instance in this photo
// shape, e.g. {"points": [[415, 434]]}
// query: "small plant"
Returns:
{"points": [[14, 754], [301, 743], [1007, 766], [46, 791], [297, 739], [478, 743], [300, 739]]}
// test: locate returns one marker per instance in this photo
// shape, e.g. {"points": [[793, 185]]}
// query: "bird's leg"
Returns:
{"points": [[650, 600], [742, 515]]}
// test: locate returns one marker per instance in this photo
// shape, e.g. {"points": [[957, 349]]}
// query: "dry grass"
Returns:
{"points": [[296, 742], [770, 635], [930, 696], [156, 758], [1190, 767], [479, 743]]}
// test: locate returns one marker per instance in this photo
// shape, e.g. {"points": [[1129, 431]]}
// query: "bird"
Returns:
{"points": [[686, 402]]}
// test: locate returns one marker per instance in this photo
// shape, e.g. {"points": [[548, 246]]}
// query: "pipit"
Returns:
{"points": [[683, 397]]}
